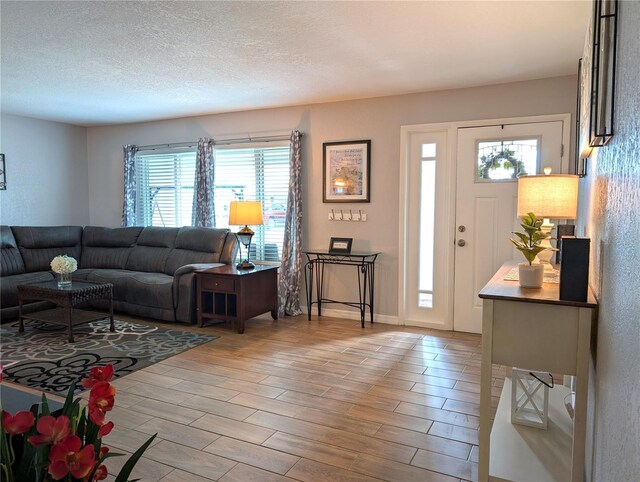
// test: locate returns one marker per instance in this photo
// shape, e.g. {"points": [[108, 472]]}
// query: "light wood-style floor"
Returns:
{"points": [[313, 401]]}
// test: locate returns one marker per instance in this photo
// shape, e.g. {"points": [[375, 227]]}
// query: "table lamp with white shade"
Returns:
{"points": [[548, 196], [245, 212]]}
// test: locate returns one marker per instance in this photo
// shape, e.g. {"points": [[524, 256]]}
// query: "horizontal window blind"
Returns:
{"points": [[255, 173], [164, 188]]}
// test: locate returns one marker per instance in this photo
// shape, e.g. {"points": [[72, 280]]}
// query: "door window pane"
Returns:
{"points": [[504, 160], [427, 224], [429, 150]]}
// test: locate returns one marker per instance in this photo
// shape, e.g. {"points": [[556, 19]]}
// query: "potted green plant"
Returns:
{"points": [[528, 243]]}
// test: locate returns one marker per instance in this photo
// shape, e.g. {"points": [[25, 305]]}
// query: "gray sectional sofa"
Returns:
{"points": [[151, 268]]}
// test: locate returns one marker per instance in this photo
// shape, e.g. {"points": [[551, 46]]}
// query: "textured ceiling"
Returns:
{"points": [[102, 62]]}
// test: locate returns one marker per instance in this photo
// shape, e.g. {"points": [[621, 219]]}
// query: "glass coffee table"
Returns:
{"points": [[68, 299]]}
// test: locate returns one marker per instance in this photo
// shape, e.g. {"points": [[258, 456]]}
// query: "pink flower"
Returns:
{"points": [[100, 473], [101, 400], [68, 457], [19, 423], [51, 430], [105, 429], [98, 374]]}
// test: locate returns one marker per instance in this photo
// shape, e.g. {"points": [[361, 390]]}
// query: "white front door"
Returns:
{"points": [[486, 200]]}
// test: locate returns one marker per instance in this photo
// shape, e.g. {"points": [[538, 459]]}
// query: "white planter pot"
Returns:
{"points": [[530, 276]]}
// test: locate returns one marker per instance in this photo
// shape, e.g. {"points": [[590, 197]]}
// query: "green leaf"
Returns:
{"points": [[44, 406], [523, 237], [68, 402], [123, 476]]}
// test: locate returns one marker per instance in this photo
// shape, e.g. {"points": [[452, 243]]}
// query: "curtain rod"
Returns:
{"points": [[221, 142]]}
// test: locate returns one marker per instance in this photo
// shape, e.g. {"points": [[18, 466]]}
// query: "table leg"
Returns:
{"points": [[582, 383], [112, 327], [362, 292], [68, 310], [21, 321], [372, 275], [308, 284], [485, 391], [319, 286]]}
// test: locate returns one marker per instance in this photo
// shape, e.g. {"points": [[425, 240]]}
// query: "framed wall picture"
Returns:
{"points": [[340, 245], [346, 177]]}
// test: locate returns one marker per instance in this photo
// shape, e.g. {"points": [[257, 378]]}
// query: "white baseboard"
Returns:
{"points": [[377, 318], [354, 315]]}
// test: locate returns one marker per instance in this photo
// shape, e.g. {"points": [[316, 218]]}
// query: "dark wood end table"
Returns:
{"points": [[231, 294], [67, 299]]}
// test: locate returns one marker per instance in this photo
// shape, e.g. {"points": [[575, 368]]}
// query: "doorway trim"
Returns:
{"points": [[451, 130]]}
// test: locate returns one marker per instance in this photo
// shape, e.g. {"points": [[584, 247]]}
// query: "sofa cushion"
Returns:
{"points": [[10, 260], [152, 249], [150, 289], [118, 277], [8, 290], [107, 247], [39, 245], [196, 245]]}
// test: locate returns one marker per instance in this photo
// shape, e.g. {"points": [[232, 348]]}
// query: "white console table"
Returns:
{"points": [[533, 329]]}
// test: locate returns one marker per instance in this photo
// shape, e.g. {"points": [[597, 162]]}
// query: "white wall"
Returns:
{"points": [[377, 119], [46, 165], [609, 215]]}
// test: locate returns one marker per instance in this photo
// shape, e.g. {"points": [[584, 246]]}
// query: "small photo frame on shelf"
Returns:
{"points": [[346, 177], [340, 245]]}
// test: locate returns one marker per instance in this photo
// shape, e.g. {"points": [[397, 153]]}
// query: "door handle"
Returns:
{"points": [[461, 242]]}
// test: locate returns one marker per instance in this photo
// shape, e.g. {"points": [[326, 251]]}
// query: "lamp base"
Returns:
{"points": [[246, 264], [544, 257]]}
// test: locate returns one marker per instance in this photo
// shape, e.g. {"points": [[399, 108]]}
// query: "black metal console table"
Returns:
{"points": [[365, 264]]}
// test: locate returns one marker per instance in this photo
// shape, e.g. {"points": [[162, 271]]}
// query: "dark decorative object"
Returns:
{"points": [[603, 71], [346, 167], [340, 245], [574, 269], [3, 174]]}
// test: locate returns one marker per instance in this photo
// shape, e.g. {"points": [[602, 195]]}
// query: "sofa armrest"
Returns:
{"points": [[184, 290], [190, 268]]}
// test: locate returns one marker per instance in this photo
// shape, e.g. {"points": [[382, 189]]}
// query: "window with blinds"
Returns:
{"points": [[164, 188], [256, 172], [244, 172]]}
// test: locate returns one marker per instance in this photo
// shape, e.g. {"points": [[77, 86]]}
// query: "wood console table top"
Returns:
{"points": [[500, 289]]}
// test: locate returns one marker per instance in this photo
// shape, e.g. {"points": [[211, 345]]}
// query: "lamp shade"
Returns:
{"points": [[548, 196], [245, 212]]}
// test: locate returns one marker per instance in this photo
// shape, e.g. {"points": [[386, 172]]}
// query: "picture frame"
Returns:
{"points": [[582, 147], [340, 245], [603, 71], [346, 171], [3, 174]]}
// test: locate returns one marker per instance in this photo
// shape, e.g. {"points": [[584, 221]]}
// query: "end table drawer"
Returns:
{"points": [[218, 284]]}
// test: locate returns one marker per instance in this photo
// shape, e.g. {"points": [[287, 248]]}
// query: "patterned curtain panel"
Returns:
{"points": [[203, 205], [290, 269], [129, 203]]}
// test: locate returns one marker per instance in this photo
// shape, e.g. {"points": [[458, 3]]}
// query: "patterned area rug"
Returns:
{"points": [[42, 358]]}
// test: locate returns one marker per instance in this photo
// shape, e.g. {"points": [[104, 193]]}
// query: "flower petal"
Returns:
{"points": [[58, 469], [105, 429]]}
